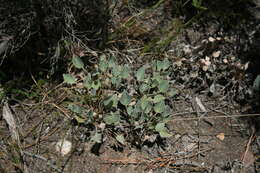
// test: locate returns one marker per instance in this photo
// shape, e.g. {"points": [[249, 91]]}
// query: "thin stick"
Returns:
{"points": [[212, 117]]}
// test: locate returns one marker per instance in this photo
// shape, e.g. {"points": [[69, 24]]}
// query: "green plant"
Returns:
{"points": [[124, 98]]}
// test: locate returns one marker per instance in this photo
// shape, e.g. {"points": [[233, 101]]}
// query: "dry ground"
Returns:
{"points": [[211, 124]]}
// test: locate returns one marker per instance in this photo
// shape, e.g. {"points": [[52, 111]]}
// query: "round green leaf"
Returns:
{"points": [[111, 100], [125, 72], [87, 81], [69, 79], [144, 102], [160, 126], [116, 81], [108, 101], [140, 74], [96, 84], [158, 98], [165, 64], [173, 92], [144, 87], [111, 62], [77, 62], [103, 65], [125, 98], [116, 71], [162, 65], [129, 110], [163, 86], [148, 107], [159, 107], [163, 132], [75, 108], [159, 65], [157, 77], [97, 138], [167, 111], [112, 118]]}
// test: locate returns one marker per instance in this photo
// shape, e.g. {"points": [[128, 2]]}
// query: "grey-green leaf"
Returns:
{"points": [[125, 98], [159, 107], [111, 100], [140, 74], [160, 127], [148, 107], [116, 71], [87, 81], [75, 108], [165, 134], [129, 110], [97, 138], [144, 87], [165, 64], [167, 111], [157, 77], [111, 62], [158, 98], [112, 118], [77, 62], [159, 65], [116, 81], [69, 79], [144, 102], [163, 86], [125, 72], [103, 65], [96, 84], [173, 92], [108, 101], [121, 139]]}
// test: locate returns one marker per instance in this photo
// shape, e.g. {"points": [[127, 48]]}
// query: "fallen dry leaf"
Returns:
{"points": [[221, 136], [9, 118]]}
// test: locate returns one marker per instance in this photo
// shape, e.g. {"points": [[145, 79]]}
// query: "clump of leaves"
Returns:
{"points": [[129, 99]]}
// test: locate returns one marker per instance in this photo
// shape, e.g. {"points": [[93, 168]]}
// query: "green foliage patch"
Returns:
{"points": [[124, 98]]}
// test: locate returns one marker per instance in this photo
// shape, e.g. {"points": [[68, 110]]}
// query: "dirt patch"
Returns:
{"points": [[194, 147]]}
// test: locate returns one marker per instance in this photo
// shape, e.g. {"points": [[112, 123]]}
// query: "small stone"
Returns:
{"points": [[102, 126], [187, 49], [225, 61], [63, 147], [246, 66], [221, 136], [232, 58], [219, 38], [205, 68], [211, 39], [216, 54]]}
